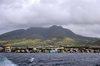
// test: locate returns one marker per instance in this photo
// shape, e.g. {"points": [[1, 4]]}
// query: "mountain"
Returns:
{"points": [[43, 33], [96, 42]]}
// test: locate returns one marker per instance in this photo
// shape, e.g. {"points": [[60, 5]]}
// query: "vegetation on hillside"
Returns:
{"points": [[43, 33], [49, 42]]}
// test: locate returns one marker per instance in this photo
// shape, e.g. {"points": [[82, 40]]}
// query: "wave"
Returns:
{"points": [[5, 62]]}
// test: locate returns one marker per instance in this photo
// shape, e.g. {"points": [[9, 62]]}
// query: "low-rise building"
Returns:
{"points": [[7, 49], [1, 49]]}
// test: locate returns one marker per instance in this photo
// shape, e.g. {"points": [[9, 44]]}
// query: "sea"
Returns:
{"points": [[49, 59]]}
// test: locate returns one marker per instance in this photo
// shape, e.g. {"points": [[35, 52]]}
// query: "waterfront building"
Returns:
{"points": [[7, 49], [1, 49]]}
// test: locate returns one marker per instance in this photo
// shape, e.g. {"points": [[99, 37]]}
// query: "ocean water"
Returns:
{"points": [[49, 59]]}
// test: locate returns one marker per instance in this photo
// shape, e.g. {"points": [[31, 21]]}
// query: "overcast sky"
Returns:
{"points": [[80, 16]]}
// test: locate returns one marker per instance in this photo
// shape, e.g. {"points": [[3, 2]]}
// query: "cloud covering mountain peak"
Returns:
{"points": [[15, 14]]}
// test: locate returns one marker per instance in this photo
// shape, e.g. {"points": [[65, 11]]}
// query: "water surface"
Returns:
{"points": [[50, 59]]}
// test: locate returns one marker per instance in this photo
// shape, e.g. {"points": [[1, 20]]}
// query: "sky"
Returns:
{"points": [[80, 16]]}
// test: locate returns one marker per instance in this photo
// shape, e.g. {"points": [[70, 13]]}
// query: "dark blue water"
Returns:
{"points": [[49, 59]]}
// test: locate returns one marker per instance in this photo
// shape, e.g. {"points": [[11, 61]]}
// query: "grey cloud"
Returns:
{"points": [[6, 1], [16, 14], [85, 30]]}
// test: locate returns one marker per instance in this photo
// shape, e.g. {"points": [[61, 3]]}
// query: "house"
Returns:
{"points": [[52, 51], [1, 49], [7, 49]]}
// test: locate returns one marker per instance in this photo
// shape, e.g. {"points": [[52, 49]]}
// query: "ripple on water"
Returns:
{"points": [[50, 59]]}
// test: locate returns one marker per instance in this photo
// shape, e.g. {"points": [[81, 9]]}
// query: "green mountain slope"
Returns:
{"points": [[43, 33]]}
